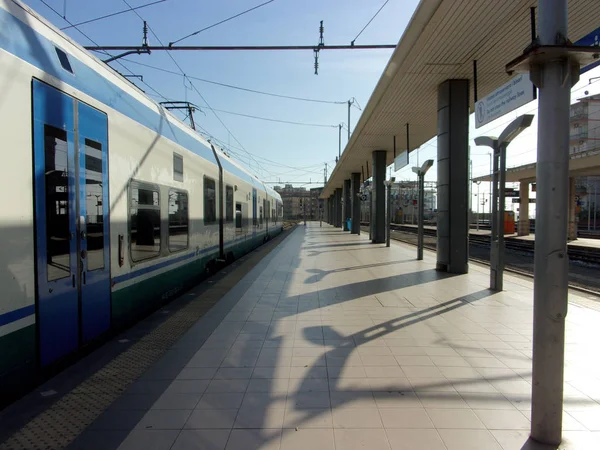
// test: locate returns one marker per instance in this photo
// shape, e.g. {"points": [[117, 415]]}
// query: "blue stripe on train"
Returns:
{"points": [[17, 314]]}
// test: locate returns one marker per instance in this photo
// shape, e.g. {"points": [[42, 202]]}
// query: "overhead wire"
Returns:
{"points": [[276, 120], [106, 16], [196, 90], [369, 22], [291, 97], [220, 22]]}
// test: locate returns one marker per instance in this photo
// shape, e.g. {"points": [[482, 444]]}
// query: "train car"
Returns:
{"points": [[110, 204]]}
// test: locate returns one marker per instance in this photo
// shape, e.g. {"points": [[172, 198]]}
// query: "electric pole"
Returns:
{"points": [[340, 141]]}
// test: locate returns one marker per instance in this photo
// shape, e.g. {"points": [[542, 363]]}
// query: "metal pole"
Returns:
{"points": [[477, 206], [495, 231], [388, 218], [421, 206], [501, 208], [550, 294], [340, 141], [349, 105]]}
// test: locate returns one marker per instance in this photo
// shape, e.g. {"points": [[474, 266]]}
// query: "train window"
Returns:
{"points": [[177, 167], [210, 201], [238, 216], [94, 208], [260, 217], [144, 220], [64, 60], [228, 204], [178, 221], [58, 253]]}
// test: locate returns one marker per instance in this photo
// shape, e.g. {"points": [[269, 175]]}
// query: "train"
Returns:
{"points": [[110, 205]]}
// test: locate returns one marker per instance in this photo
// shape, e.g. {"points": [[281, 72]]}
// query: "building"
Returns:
{"points": [[585, 137]]}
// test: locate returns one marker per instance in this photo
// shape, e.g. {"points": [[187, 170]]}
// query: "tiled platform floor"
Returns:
{"points": [[342, 344]]}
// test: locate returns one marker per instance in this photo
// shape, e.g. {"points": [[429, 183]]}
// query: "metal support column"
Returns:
{"points": [[346, 205], [421, 205], [378, 196], [554, 79], [388, 211], [523, 228], [572, 229], [355, 202], [338, 206], [453, 176]]}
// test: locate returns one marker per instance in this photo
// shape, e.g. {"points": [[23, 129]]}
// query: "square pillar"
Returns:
{"points": [[378, 197], [523, 226], [346, 205], [572, 230], [338, 207], [453, 177], [355, 202]]}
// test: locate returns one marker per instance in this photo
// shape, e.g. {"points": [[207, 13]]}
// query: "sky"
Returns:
{"points": [[290, 153], [276, 152]]}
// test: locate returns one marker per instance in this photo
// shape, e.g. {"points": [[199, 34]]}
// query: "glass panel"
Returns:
{"points": [[178, 221], [145, 222], [260, 220], [177, 167], [58, 236], [210, 201], [94, 217], [238, 215], [228, 204]]}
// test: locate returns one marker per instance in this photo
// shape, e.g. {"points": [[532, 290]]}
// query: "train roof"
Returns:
{"points": [[30, 37]]}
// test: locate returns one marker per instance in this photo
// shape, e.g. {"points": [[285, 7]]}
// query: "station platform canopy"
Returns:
{"points": [[581, 164], [441, 41]]}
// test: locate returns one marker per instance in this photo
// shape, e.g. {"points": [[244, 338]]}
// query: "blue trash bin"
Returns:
{"points": [[349, 224]]}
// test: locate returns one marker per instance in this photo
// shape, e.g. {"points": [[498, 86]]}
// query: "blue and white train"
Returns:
{"points": [[110, 205]]}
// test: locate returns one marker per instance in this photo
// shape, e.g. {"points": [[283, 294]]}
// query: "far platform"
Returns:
{"points": [[331, 342]]}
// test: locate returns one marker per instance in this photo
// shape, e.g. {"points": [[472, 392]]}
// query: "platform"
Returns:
{"points": [[331, 342]]}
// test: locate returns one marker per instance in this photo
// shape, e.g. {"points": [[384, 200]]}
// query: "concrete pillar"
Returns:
{"points": [[346, 205], [572, 230], [330, 209], [338, 207], [378, 192], [453, 177], [355, 202], [523, 225], [554, 79]]}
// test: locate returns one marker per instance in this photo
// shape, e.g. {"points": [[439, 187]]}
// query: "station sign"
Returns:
{"points": [[518, 200], [401, 161], [593, 40], [517, 92], [511, 193]]}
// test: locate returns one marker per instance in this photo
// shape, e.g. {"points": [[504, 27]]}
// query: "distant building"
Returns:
{"points": [[585, 137], [294, 201]]}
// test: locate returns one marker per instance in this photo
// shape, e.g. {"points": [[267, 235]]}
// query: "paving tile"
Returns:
{"points": [[308, 385], [257, 439], [308, 418], [160, 419], [469, 440], [195, 373], [361, 439], [310, 438], [352, 418], [232, 373], [454, 418], [437, 400], [187, 386], [211, 419], [220, 401], [396, 399], [356, 399], [267, 385], [266, 400], [259, 417], [307, 400], [411, 360], [149, 439], [503, 419], [177, 401], [422, 372], [201, 440], [231, 386], [405, 418], [384, 372], [414, 439]]}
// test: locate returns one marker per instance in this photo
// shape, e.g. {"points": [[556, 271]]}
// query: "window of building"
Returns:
{"points": [[228, 204], [177, 167], [210, 201], [64, 60], [144, 220], [178, 221]]}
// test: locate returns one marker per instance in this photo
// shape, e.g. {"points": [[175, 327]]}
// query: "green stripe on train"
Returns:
{"points": [[141, 298]]}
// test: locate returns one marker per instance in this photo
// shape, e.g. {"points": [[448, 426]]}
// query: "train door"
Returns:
{"points": [[266, 210], [254, 208], [72, 240]]}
